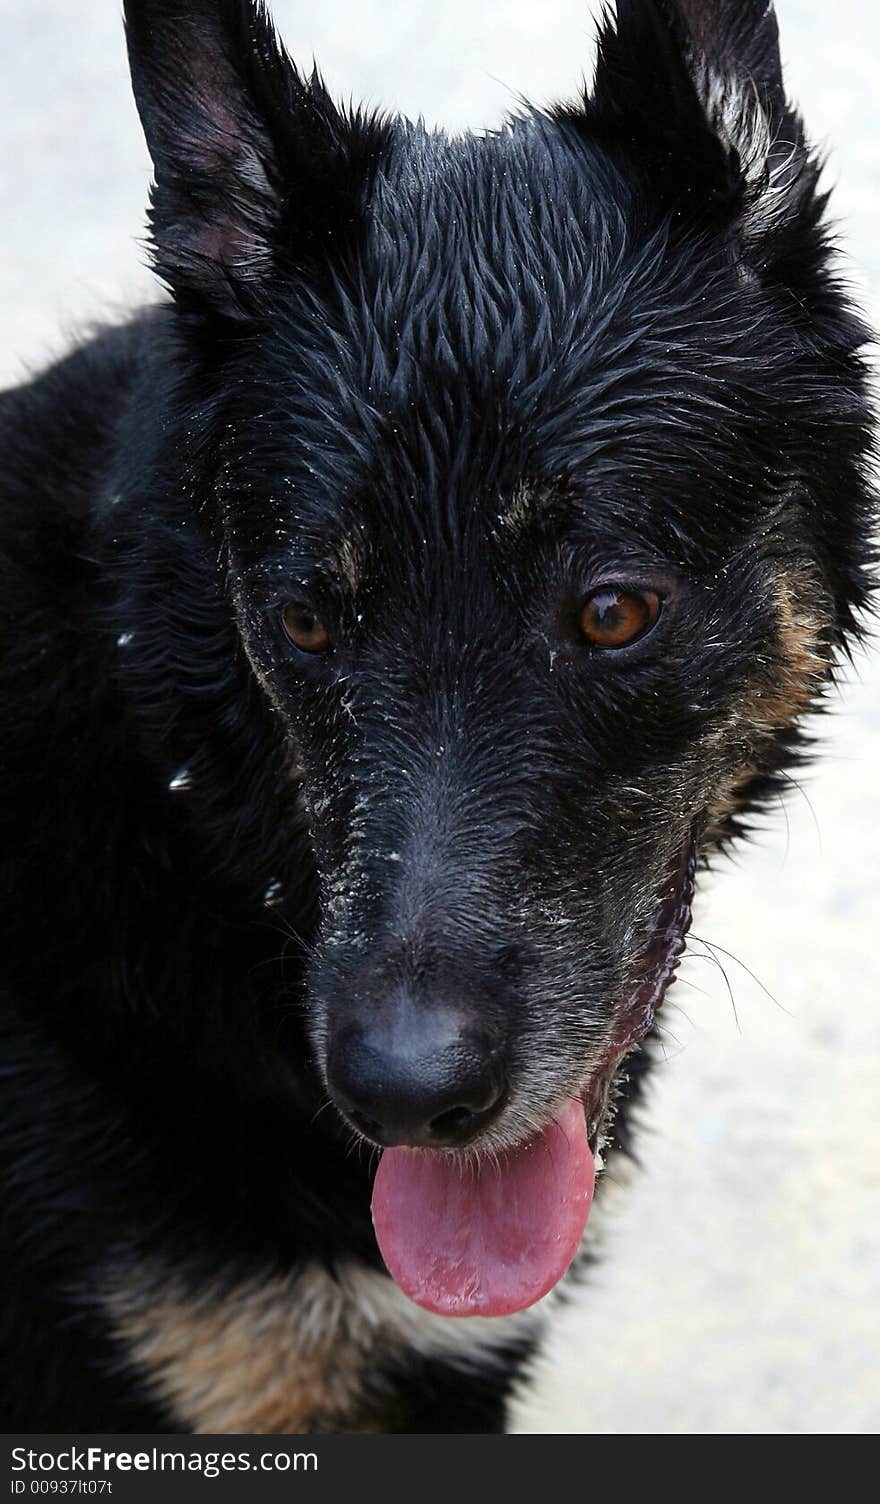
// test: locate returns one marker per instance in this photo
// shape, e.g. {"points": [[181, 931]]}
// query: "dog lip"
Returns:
{"points": [[655, 974]]}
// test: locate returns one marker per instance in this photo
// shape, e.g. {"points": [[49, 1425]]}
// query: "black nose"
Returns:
{"points": [[424, 1079]]}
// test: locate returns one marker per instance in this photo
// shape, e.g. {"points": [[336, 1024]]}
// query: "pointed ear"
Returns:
{"points": [[693, 92], [254, 165]]}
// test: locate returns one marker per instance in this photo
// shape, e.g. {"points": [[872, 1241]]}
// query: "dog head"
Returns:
{"points": [[537, 464]]}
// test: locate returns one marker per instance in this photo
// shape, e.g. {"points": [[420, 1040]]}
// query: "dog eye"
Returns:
{"points": [[305, 630], [613, 618]]}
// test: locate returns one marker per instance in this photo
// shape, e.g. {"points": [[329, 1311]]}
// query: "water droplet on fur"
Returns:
{"points": [[181, 780], [124, 639], [272, 894]]}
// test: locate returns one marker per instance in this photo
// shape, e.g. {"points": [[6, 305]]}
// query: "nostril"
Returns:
{"points": [[371, 1127], [457, 1120], [457, 1124]]}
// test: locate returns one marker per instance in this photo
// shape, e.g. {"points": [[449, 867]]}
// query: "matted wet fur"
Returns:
{"points": [[432, 395]]}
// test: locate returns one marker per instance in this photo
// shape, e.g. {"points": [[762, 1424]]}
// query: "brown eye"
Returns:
{"points": [[613, 618], [305, 630]]}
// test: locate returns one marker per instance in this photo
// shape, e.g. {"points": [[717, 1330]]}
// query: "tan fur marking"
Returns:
{"points": [[283, 1355], [794, 677], [789, 684], [347, 563], [523, 506], [253, 1360], [728, 802]]}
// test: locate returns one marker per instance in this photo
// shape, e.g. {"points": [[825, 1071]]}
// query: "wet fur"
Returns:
{"points": [[443, 385]]}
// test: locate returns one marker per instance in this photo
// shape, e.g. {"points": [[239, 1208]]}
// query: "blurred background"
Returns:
{"points": [[739, 1285]]}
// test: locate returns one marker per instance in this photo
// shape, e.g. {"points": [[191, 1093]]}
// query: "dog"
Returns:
{"points": [[398, 618]]}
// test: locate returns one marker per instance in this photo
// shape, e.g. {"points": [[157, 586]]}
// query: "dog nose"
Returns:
{"points": [[433, 1084]]}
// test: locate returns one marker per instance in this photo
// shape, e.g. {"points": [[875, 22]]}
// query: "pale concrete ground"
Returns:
{"points": [[739, 1289]]}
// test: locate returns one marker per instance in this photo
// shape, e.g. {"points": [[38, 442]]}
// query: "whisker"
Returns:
{"points": [[755, 978], [680, 1047], [711, 956], [789, 778], [681, 981], [784, 807], [323, 1108]]}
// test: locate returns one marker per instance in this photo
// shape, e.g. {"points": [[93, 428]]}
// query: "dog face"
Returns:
{"points": [[537, 464]]}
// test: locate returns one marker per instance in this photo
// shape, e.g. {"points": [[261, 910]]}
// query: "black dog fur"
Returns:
{"points": [[433, 393]]}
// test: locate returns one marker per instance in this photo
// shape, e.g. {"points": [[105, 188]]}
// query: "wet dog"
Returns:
{"points": [[397, 616]]}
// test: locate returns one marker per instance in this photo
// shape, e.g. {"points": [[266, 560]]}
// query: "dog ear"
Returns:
{"points": [[692, 93], [253, 164]]}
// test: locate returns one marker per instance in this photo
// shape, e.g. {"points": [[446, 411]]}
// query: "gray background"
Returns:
{"points": [[739, 1286]]}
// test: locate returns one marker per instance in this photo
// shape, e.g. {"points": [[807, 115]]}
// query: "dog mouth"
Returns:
{"points": [[491, 1236], [654, 975]]}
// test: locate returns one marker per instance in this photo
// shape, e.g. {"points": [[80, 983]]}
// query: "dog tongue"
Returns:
{"points": [[490, 1239]]}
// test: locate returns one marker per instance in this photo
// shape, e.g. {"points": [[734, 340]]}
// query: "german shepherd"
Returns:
{"points": [[398, 616]]}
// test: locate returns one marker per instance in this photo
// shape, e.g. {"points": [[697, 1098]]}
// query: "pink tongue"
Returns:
{"points": [[489, 1240]]}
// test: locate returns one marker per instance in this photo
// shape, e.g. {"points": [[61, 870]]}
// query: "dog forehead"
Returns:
{"points": [[485, 195], [502, 337], [478, 248]]}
